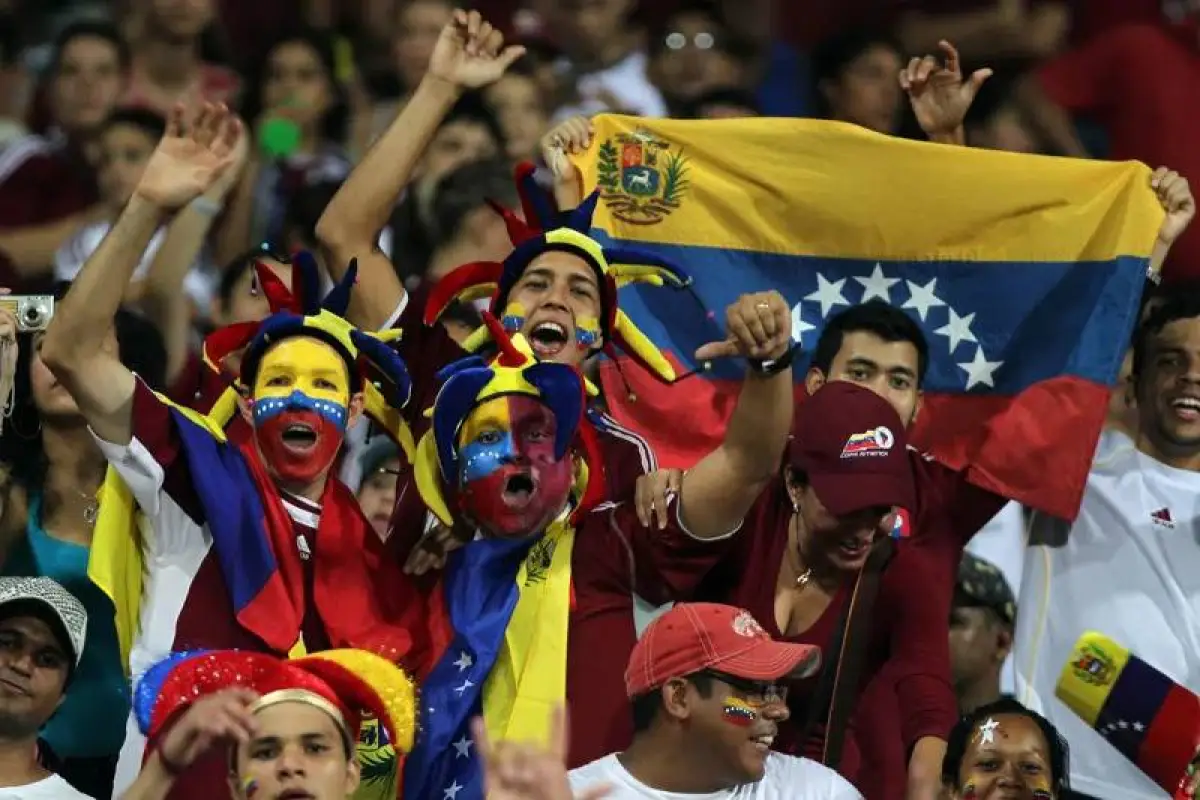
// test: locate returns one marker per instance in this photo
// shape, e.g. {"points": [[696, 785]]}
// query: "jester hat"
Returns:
{"points": [[545, 229], [472, 381], [345, 684], [375, 368]]}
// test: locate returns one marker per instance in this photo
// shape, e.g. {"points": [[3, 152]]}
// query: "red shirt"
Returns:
{"points": [[1141, 83]]}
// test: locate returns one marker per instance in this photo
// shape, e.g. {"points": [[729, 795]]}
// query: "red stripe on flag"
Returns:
{"points": [[1009, 445], [1172, 738]]}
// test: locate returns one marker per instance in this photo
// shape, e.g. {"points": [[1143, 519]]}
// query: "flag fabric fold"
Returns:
{"points": [[1024, 272]]}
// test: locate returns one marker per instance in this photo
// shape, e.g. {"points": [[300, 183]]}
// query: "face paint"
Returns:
{"points": [[300, 408], [1039, 785], [510, 483], [249, 788], [969, 793], [587, 333], [739, 712], [987, 731], [513, 318]]}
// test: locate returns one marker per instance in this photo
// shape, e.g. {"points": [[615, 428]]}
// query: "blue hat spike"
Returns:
{"points": [[338, 299], [535, 201], [148, 689], [581, 218], [388, 362], [621, 255], [306, 277]]}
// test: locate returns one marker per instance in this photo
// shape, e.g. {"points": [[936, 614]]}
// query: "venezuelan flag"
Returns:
{"points": [[1152, 720], [1025, 273]]}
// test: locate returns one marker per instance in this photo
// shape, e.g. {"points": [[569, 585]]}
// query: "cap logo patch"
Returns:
{"points": [[746, 625], [875, 442]]}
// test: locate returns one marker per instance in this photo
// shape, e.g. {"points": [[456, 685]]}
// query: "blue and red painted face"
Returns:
{"points": [[510, 483]]}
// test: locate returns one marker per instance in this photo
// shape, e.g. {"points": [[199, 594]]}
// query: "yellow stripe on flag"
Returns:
{"points": [[1089, 676]]}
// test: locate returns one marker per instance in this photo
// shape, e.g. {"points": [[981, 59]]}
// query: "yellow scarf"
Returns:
{"points": [[529, 677]]}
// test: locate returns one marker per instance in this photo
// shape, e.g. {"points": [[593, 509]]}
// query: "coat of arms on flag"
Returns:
{"points": [[642, 177]]}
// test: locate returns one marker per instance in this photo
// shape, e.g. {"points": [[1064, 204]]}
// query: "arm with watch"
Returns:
{"points": [[719, 490]]}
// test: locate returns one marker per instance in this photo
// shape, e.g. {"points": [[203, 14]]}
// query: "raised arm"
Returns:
{"points": [[939, 96], [78, 347], [469, 54], [1175, 195], [715, 495]]}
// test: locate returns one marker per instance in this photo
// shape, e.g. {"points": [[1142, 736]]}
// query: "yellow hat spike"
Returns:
{"points": [[637, 344], [427, 471]]}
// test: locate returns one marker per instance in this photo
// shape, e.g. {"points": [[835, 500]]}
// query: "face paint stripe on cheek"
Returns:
{"points": [[738, 712], [267, 408], [478, 460]]}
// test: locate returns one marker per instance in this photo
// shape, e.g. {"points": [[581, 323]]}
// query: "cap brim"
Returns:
{"points": [[770, 660], [846, 493]]}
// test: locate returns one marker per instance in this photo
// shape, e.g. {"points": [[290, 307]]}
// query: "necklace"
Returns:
{"points": [[802, 580]]}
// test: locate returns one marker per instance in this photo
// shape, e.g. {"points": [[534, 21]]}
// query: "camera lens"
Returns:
{"points": [[33, 315]]}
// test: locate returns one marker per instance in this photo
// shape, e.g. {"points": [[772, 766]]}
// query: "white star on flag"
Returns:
{"points": [[464, 660], [462, 747], [877, 285], [958, 330], [466, 685], [979, 370], [452, 791], [1139, 727], [799, 326], [922, 298], [828, 294]]}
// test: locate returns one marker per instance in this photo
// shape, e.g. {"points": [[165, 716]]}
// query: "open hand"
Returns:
{"points": [[470, 53], [523, 771], [1175, 195], [939, 96], [757, 326], [221, 717], [188, 161]]}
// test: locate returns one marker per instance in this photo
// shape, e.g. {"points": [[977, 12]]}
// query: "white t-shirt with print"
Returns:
{"points": [[786, 778], [1129, 568], [52, 788]]}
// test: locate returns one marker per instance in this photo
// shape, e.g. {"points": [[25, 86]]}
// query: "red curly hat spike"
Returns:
{"points": [[509, 355], [279, 297], [519, 231], [442, 293]]}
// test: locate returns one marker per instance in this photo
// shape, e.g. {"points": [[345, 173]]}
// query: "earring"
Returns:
{"points": [[795, 504]]}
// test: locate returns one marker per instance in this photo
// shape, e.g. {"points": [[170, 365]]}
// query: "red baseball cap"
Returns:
{"points": [[692, 637], [851, 445]]}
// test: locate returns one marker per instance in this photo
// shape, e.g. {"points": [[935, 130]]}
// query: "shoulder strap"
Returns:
{"points": [[855, 636]]}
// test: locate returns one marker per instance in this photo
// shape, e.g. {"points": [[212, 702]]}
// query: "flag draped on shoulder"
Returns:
{"points": [[1024, 272]]}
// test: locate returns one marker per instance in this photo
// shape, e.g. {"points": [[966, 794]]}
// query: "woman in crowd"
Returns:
{"points": [[1005, 750], [50, 507], [300, 118]]}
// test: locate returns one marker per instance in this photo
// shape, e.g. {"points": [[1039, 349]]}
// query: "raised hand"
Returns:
{"points": [[569, 137], [222, 717], [939, 96], [190, 159], [470, 53], [1175, 195], [522, 771], [757, 326]]}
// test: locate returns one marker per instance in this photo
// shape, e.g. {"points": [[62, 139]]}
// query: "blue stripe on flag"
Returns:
{"points": [[1131, 705]]}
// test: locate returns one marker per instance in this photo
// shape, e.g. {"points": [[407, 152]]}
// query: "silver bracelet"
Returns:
{"points": [[207, 206]]}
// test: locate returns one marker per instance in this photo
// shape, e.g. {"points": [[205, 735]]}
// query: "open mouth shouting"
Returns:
{"points": [[548, 339], [519, 489], [299, 437]]}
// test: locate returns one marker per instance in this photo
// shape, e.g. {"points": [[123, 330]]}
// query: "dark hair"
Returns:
{"points": [[141, 349], [960, 736], [241, 264], [1176, 303], [335, 124], [646, 706], [724, 96], [878, 318], [95, 29], [465, 189], [473, 108], [834, 54], [305, 207], [146, 121]]}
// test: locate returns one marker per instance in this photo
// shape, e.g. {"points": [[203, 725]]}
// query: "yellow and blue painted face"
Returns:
{"points": [[301, 407], [510, 481]]}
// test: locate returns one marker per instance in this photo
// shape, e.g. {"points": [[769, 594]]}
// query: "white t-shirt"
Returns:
{"points": [[1129, 567], [786, 778], [52, 788]]}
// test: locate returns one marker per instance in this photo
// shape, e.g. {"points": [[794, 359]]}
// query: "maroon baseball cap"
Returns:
{"points": [[692, 637], [851, 445]]}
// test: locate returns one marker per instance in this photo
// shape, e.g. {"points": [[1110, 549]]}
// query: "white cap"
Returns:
{"points": [[50, 593]]}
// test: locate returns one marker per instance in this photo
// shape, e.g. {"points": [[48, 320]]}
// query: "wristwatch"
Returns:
{"points": [[773, 366]]}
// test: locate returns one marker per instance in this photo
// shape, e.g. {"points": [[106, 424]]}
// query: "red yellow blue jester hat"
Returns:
{"points": [[472, 381], [344, 684], [374, 366], [546, 229]]}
